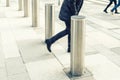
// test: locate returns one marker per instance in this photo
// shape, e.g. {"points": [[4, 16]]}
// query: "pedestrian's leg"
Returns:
{"points": [[55, 38], [115, 7], [69, 35], [115, 3], [69, 42], [105, 10]]}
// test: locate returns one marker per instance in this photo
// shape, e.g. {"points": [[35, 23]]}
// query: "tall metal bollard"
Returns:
{"points": [[7, 3], [77, 45], [35, 13], [26, 8], [49, 20], [20, 5]]}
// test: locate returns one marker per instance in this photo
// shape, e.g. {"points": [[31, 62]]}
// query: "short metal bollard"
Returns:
{"points": [[20, 5], [26, 8], [77, 45], [49, 20], [7, 3], [35, 13]]}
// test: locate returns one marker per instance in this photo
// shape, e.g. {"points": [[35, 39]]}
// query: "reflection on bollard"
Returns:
{"points": [[77, 45], [35, 13], [49, 20]]}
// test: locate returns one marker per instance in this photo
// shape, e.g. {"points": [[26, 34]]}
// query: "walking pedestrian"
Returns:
{"points": [[115, 7], [110, 3], [68, 8]]}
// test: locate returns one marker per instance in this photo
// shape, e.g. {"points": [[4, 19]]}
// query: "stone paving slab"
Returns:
{"points": [[116, 50], [3, 74], [2, 64], [102, 68], [22, 76], [47, 68], [98, 37], [15, 66], [9, 45], [112, 56], [2, 13], [32, 50]]}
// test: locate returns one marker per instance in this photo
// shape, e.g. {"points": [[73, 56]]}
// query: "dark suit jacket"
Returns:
{"points": [[69, 8]]}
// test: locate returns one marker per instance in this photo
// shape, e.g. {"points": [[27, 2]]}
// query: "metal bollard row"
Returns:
{"points": [[77, 32]]}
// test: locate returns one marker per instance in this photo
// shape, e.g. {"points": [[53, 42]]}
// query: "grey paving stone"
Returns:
{"points": [[47, 68], [32, 50], [3, 74], [116, 50], [117, 31], [15, 66], [21, 76], [2, 13], [2, 63], [112, 56], [10, 48]]}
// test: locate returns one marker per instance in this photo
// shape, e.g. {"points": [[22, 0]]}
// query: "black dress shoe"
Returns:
{"points": [[105, 11], [117, 13], [48, 45], [68, 50]]}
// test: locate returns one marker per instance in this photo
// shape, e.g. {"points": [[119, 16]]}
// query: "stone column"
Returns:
{"points": [[35, 13]]}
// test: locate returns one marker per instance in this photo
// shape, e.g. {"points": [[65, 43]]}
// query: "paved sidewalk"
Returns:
{"points": [[23, 53]]}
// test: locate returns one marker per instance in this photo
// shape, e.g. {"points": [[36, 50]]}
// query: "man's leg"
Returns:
{"points": [[56, 37]]}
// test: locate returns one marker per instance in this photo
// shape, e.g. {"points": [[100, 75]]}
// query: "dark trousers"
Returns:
{"points": [[116, 6], [62, 34], [111, 1]]}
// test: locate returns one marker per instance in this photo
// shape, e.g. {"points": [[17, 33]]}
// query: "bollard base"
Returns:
{"points": [[86, 76]]}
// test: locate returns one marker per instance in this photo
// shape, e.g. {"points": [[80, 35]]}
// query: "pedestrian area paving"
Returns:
{"points": [[23, 53]]}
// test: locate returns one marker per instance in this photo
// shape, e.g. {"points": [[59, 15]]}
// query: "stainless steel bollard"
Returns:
{"points": [[7, 3], [49, 20], [20, 5], [35, 13], [58, 2], [77, 45], [26, 8]]}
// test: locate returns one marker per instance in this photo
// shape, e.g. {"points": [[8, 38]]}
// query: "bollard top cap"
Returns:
{"points": [[77, 17], [49, 4]]}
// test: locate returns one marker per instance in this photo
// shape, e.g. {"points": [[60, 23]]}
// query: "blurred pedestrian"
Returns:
{"points": [[115, 7], [110, 3], [68, 8]]}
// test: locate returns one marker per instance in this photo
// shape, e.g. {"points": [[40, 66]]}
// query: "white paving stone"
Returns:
{"points": [[32, 50], [9, 45], [22, 76], [96, 38], [2, 62], [102, 68], [3, 74], [48, 68], [25, 34], [15, 66]]}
